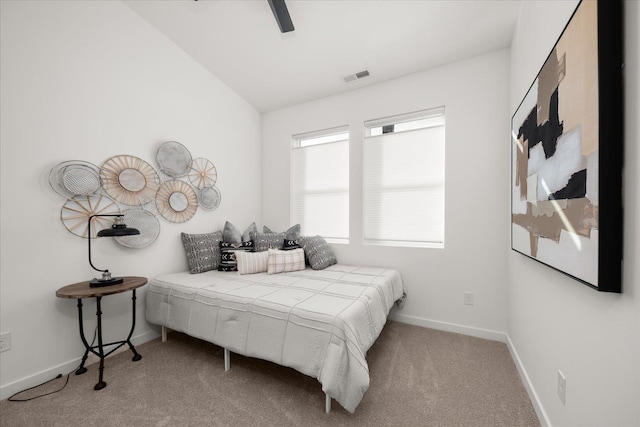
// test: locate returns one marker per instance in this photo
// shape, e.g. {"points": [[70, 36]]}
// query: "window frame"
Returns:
{"points": [[296, 144], [407, 118]]}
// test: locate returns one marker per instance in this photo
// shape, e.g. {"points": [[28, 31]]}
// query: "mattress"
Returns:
{"points": [[319, 322]]}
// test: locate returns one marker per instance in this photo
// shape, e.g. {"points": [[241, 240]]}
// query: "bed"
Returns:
{"points": [[319, 322]]}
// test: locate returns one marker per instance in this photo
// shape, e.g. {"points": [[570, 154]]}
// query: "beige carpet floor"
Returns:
{"points": [[419, 377]]}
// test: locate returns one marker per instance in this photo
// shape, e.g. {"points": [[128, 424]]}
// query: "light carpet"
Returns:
{"points": [[419, 377]]}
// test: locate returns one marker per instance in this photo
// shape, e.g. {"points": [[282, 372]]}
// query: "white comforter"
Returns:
{"points": [[320, 323]]}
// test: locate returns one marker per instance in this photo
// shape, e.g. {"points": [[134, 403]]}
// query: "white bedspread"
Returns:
{"points": [[320, 323]]}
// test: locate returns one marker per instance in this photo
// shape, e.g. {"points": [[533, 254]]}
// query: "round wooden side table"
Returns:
{"points": [[83, 290]]}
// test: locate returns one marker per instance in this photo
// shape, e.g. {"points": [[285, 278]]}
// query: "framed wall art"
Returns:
{"points": [[567, 152]]}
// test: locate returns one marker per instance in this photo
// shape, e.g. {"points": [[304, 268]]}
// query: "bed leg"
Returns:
{"points": [[227, 360], [327, 403], [165, 331]]}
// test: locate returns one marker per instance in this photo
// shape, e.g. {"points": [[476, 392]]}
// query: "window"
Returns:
{"points": [[404, 180], [320, 183]]}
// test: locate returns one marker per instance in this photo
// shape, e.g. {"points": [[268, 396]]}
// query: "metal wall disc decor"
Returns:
{"points": [[209, 198], [174, 159], [75, 178], [176, 201], [202, 173], [144, 221], [76, 212], [129, 180], [150, 207], [148, 193]]}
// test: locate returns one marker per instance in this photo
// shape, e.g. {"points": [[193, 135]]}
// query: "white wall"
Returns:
{"points": [[89, 80], [475, 93], [556, 323]]}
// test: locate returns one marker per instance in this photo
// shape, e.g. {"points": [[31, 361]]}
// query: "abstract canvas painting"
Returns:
{"points": [[567, 153]]}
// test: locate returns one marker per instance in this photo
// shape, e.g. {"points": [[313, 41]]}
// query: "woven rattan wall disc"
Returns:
{"points": [[76, 212], [176, 201], [202, 173], [129, 180]]}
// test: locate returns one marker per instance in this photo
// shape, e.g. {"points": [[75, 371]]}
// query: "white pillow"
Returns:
{"points": [[281, 261], [251, 262]]}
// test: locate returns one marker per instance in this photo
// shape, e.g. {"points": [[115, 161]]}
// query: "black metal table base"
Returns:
{"points": [[98, 350]]}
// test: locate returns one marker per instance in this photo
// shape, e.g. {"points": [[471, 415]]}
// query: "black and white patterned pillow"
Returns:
{"points": [[228, 251], [231, 234], [203, 251], [290, 244], [264, 241], [292, 233], [318, 252]]}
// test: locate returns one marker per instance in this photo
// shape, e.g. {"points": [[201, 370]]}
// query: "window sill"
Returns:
{"points": [[404, 244]]}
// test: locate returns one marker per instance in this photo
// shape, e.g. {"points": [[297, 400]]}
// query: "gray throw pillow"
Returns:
{"points": [[292, 233], [318, 252], [264, 241], [203, 251], [231, 234]]}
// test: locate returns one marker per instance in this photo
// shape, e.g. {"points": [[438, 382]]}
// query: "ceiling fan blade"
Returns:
{"points": [[281, 13]]}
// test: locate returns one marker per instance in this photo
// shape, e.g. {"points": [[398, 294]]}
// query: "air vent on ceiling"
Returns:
{"points": [[356, 76]]}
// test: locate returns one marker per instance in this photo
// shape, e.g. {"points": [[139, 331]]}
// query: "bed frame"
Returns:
{"points": [[227, 366], [320, 323]]}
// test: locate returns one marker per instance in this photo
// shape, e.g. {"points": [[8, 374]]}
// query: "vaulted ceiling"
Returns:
{"points": [[240, 43]]}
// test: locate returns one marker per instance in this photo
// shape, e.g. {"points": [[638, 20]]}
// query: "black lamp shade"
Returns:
{"points": [[118, 230]]}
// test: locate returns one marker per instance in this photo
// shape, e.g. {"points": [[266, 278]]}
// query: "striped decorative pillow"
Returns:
{"points": [[252, 262], [281, 261]]}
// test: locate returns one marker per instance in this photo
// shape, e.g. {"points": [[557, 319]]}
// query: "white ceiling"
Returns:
{"points": [[240, 43]]}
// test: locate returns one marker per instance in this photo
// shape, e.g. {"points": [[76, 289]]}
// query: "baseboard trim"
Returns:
{"points": [[10, 389], [450, 327], [533, 396]]}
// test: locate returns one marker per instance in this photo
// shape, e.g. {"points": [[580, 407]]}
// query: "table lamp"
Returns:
{"points": [[119, 228]]}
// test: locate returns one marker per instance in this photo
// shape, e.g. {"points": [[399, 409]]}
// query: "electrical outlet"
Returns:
{"points": [[5, 341], [468, 298], [562, 387]]}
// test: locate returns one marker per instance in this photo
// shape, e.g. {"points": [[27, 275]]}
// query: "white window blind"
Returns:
{"points": [[404, 180], [320, 184]]}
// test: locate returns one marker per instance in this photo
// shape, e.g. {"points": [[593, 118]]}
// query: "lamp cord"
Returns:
{"points": [[12, 398]]}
